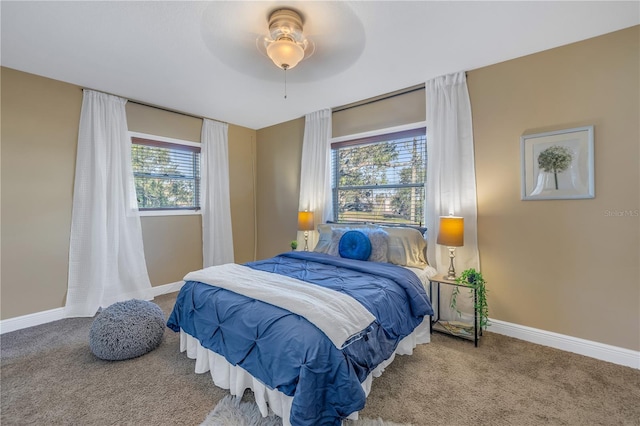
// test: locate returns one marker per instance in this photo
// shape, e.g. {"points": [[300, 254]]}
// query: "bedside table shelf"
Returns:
{"points": [[463, 330]]}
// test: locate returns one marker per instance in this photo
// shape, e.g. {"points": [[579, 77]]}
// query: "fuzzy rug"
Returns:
{"points": [[231, 411]]}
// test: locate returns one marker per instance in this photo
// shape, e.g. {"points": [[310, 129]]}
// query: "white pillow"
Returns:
{"points": [[406, 246]]}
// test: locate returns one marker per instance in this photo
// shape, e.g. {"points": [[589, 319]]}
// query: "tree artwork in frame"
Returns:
{"points": [[558, 165]]}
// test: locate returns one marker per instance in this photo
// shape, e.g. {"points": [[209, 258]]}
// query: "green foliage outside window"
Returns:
{"points": [[360, 166], [381, 181], [165, 178]]}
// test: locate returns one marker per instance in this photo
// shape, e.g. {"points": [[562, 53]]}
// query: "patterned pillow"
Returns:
{"points": [[336, 234], [379, 244], [354, 245]]}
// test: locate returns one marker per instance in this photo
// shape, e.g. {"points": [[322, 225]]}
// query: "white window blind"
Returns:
{"points": [[167, 175], [380, 178]]}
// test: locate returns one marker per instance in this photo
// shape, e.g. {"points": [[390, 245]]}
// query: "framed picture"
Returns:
{"points": [[558, 165]]}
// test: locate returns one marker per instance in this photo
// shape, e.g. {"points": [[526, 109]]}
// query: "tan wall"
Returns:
{"points": [[242, 189], [402, 109], [172, 246], [155, 121], [562, 265], [279, 152], [39, 135]]}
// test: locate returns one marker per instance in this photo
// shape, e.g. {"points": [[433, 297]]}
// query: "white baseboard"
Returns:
{"points": [[601, 351], [30, 320], [167, 288]]}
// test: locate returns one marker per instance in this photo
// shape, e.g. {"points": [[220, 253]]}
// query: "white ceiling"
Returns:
{"points": [[201, 57]]}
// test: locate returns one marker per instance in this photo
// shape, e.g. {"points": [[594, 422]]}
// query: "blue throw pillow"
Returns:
{"points": [[355, 245]]}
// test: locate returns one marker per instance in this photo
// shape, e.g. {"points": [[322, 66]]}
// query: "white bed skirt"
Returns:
{"points": [[236, 379]]}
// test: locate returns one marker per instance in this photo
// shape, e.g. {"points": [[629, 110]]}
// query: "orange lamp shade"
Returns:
{"points": [[305, 221], [451, 232]]}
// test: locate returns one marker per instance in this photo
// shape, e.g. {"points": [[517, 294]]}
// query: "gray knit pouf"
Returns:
{"points": [[126, 330]]}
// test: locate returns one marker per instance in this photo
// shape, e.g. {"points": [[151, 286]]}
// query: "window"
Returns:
{"points": [[380, 178], [166, 174]]}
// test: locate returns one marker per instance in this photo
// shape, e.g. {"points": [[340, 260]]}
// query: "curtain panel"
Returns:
{"points": [[217, 237], [106, 253], [315, 171], [451, 178]]}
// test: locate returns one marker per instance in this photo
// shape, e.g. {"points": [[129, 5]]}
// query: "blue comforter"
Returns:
{"points": [[288, 353]]}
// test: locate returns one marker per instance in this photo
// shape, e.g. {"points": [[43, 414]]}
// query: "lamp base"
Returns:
{"points": [[306, 238], [451, 275]]}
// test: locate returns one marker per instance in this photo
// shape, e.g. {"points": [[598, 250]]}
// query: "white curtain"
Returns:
{"points": [[217, 237], [106, 255], [451, 177], [315, 172]]}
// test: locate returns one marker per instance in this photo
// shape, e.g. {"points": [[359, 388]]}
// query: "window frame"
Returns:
{"points": [[380, 135], [165, 140]]}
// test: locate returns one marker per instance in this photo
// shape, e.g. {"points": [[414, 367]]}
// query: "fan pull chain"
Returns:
{"points": [[285, 82]]}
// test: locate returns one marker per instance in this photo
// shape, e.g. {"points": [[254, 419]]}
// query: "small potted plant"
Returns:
{"points": [[474, 280], [294, 244]]}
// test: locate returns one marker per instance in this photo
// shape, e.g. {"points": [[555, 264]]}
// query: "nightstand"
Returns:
{"points": [[460, 329]]}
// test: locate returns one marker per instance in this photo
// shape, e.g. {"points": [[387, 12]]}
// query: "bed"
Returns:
{"points": [[308, 331]]}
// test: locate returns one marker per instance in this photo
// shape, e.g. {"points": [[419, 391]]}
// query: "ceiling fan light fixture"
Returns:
{"points": [[286, 45], [285, 53]]}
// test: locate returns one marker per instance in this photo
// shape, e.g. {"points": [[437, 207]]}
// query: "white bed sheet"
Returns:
{"points": [[424, 275]]}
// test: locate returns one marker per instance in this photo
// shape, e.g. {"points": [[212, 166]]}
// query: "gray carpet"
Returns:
{"points": [[49, 376], [230, 411]]}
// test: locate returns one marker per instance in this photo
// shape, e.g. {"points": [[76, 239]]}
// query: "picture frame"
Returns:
{"points": [[558, 165]]}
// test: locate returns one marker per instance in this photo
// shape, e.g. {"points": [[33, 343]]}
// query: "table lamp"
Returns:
{"points": [[451, 234], [306, 224]]}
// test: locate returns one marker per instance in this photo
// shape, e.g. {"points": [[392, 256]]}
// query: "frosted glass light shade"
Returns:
{"points": [[451, 232], [285, 53]]}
